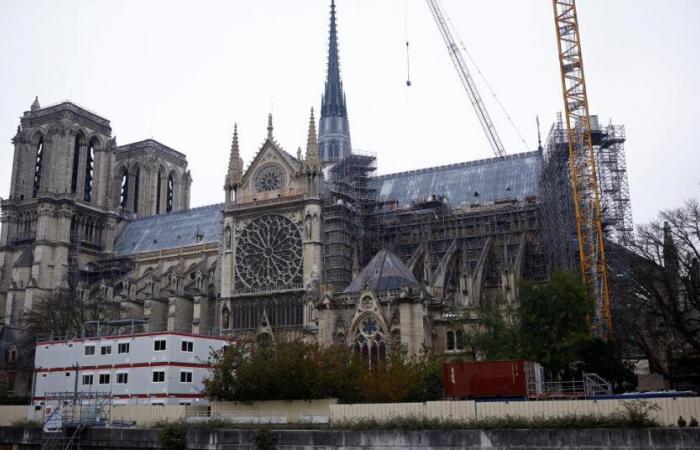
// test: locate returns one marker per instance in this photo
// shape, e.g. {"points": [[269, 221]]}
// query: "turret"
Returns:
{"points": [[235, 167]]}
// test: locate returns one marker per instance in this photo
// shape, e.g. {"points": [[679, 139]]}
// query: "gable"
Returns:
{"points": [[271, 174]]}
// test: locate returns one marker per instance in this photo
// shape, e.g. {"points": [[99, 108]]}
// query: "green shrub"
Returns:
{"points": [[693, 422], [681, 422], [622, 419], [265, 439], [638, 413], [173, 436]]}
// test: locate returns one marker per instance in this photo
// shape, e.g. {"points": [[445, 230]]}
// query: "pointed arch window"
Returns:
{"points": [[158, 187], [370, 341], [38, 167], [124, 197], [225, 318], [137, 176], [89, 169], [169, 195], [76, 163]]}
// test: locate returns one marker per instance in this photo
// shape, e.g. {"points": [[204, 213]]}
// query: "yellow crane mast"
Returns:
{"points": [[582, 162]]}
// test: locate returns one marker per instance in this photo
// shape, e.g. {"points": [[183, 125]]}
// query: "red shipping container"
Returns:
{"points": [[490, 379]]}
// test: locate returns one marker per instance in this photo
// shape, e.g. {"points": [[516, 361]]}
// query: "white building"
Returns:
{"points": [[141, 368]]}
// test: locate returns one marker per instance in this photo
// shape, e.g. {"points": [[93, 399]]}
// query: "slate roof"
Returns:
{"points": [[173, 230], [384, 272], [483, 181]]}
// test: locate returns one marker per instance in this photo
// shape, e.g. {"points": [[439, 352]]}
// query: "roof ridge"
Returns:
{"points": [[174, 213], [459, 164]]}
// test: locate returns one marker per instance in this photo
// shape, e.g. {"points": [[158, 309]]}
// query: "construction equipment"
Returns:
{"points": [[466, 78], [584, 182]]}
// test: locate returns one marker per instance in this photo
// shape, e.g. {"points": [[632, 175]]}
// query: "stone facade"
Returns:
{"points": [[65, 205]]}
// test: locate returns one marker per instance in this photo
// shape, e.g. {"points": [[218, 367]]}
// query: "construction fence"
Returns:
{"points": [[669, 409], [328, 411]]}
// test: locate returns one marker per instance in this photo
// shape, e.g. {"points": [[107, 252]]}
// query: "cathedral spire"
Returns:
{"points": [[235, 163], [334, 101], [35, 104], [334, 129]]}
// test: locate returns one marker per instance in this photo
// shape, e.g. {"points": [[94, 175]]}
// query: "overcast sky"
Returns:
{"points": [[184, 72]]}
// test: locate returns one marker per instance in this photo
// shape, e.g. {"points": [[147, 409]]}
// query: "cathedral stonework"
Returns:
{"points": [[312, 246]]}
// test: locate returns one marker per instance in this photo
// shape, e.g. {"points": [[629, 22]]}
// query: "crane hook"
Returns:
{"points": [[408, 67]]}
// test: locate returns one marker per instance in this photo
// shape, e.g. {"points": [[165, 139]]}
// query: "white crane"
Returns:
{"points": [[466, 78]]}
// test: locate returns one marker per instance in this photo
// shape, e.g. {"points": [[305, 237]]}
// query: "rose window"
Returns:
{"points": [[269, 178], [268, 255]]}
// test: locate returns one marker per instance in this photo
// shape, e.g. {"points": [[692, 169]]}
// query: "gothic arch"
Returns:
{"points": [[78, 143], [89, 174], [135, 172], [122, 187], [171, 191], [40, 163], [369, 337]]}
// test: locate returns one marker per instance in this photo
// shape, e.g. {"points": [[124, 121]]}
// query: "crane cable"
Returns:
{"points": [[488, 86]]}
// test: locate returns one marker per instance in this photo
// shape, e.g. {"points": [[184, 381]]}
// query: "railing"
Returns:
{"points": [[592, 385]]}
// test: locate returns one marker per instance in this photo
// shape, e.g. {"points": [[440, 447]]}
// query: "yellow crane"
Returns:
{"points": [[586, 194]]}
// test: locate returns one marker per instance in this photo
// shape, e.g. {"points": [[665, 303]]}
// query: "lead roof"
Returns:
{"points": [[483, 181], [165, 231]]}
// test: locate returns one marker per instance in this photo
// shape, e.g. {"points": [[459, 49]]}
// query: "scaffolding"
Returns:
{"points": [[68, 414], [557, 210], [614, 187], [348, 199]]}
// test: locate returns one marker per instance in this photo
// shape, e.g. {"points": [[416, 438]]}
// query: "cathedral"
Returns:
{"points": [[312, 245]]}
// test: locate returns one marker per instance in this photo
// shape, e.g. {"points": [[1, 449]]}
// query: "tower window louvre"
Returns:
{"points": [[76, 163], [169, 196], [136, 190], [38, 167], [89, 160], [124, 198], [158, 186]]}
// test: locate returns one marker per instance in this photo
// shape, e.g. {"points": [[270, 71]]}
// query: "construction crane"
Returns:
{"points": [[466, 78], [582, 163]]}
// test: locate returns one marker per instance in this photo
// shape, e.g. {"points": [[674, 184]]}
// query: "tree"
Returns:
{"points": [[497, 335], [660, 314], [295, 370], [553, 321], [65, 312], [550, 326]]}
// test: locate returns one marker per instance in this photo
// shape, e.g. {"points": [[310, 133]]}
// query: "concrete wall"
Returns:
{"points": [[201, 439]]}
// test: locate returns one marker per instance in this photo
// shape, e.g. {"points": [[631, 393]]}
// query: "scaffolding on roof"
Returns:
{"points": [[557, 213], [349, 197]]}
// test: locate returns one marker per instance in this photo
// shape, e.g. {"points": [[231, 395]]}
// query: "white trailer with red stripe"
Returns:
{"points": [[165, 368]]}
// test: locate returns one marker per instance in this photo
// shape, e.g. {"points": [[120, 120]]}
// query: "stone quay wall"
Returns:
{"points": [[17, 438]]}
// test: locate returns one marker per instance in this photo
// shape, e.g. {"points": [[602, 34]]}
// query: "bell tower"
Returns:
{"points": [[58, 213]]}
